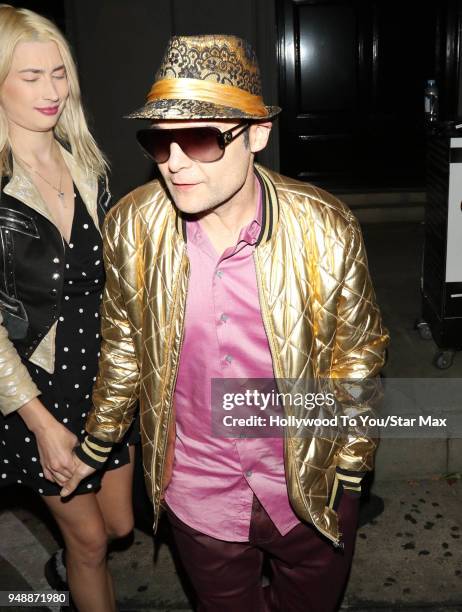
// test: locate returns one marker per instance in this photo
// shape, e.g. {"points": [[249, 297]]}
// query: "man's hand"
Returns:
{"points": [[81, 471]]}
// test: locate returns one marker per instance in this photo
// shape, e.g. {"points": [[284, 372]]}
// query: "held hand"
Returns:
{"points": [[54, 441], [81, 471], [55, 445]]}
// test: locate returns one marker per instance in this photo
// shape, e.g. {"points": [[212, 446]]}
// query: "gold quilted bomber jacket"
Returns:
{"points": [[318, 309]]}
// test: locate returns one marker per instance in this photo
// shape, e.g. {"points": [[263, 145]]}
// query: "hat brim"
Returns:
{"points": [[160, 110]]}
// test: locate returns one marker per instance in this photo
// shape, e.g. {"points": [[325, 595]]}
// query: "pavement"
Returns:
{"points": [[407, 558]]}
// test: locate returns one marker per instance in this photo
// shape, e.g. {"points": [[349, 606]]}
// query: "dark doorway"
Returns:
{"points": [[352, 76]]}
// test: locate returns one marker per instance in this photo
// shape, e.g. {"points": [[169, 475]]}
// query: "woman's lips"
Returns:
{"points": [[48, 110]]}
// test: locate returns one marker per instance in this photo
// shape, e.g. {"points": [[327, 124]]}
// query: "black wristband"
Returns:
{"points": [[93, 452], [345, 480]]}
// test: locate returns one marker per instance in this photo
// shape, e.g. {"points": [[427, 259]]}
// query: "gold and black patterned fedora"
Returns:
{"points": [[207, 77]]}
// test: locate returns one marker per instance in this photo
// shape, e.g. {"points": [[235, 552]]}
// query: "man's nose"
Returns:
{"points": [[178, 158]]}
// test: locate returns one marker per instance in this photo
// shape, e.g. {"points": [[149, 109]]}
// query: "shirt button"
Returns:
{"points": [[219, 273], [224, 317], [53, 291], [228, 358], [56, 260], [55, 276], [248, 473]]}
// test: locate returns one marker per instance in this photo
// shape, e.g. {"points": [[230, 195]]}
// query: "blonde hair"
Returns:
{"points": [[22, 25]]}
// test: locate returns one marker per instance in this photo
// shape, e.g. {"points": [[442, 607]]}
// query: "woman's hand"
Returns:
{"points": [[54, 441]]}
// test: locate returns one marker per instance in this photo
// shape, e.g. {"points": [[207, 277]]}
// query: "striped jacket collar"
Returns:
{"points": [[270, 208]]}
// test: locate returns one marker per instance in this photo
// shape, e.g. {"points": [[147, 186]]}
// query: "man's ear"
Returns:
{"points": [[259, 135]]}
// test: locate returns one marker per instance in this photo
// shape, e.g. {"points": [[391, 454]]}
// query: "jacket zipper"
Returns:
{"points": [[266, 325], [170, 413]]}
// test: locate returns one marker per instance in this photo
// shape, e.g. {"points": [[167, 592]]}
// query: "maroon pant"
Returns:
{"points": [[307, 573]]}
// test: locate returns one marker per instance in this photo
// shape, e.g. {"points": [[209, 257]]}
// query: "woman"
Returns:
{"points": [[52, 199]]}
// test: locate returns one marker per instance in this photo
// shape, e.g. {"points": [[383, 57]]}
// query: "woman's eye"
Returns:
{"points": [[30, 80]]}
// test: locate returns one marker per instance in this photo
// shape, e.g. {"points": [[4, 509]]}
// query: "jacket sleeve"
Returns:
{"points": [[359, 353], [116, 390], [16, 386]]}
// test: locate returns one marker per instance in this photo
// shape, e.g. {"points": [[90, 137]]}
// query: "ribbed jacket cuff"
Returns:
{"points": [[93, 452], [345, 480]]}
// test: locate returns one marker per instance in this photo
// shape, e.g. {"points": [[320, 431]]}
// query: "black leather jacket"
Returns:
{"points": [[31, 269]]}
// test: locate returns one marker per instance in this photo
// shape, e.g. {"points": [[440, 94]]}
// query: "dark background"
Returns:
{"points": [[349, 75]]}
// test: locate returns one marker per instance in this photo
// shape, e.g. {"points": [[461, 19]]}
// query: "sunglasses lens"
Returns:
{"points": [[200, 144], [156, 143]]}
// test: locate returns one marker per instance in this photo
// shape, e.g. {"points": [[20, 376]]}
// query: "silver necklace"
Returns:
{"points": [[58, 189]]}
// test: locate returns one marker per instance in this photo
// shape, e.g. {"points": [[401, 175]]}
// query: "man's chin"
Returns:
{"points": [[189, 206]]}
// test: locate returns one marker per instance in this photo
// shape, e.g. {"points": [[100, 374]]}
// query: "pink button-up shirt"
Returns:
{"points": [[214, 478]]}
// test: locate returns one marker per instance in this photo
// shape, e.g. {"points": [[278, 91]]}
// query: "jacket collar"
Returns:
{"points": [[86, 184], [270, 208], [22, 188]]}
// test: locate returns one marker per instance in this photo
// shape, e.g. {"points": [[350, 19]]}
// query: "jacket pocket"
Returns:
{"points": [[14, 315], [16, 221]]}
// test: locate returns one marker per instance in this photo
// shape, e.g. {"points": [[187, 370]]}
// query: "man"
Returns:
{"points": [[225, 270]]}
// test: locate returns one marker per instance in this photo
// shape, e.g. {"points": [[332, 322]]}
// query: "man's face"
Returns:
{"points": [[196, 187]]}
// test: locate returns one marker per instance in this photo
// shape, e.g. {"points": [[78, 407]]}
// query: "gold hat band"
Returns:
{"points": [[207, 91]]}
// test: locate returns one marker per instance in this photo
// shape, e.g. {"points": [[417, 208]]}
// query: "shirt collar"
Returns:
{"points": [[251, 232]]}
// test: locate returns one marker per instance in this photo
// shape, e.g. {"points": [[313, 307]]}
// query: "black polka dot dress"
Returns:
{"points": [[67, 392]]}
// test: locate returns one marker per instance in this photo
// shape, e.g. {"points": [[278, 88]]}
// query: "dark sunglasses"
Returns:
{"points": [[202, 144]]}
